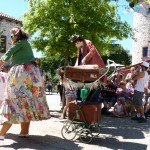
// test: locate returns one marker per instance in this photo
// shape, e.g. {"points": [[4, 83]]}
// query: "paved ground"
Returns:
{"points": [[116, 134]]}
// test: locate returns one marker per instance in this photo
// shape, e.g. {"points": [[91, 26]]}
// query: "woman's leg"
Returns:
{"points": [[68, 100], [25, 128], [5, 127], [66, 107]]}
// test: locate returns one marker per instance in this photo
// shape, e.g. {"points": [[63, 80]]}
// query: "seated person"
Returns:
{"points": [[147, 108], [122, 91], [109, 97], [128, 107], [147, 98], [118, 109]]}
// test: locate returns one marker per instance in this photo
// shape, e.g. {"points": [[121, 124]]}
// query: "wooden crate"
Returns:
{"points": [[91, 112]]}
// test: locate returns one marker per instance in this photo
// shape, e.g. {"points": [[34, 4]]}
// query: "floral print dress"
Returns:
{"points": [[24, 98]]}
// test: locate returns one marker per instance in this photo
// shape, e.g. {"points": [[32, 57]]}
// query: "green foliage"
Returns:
{"points": [[118, 54], [52, 63], [52, 22], [132, 1]]}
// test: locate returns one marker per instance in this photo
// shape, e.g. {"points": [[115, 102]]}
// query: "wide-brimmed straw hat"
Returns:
{"points": [[14, 31]]}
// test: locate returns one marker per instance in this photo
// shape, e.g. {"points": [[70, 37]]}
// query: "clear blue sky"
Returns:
{"points": [[126, 43], [17, 8]]}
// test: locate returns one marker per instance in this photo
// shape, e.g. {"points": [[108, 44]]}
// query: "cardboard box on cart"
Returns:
{"points": [[91, 112]]}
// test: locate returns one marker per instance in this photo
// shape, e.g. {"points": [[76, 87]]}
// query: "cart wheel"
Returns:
{"points": [[95, 129], [85, 136], [68, 131]]}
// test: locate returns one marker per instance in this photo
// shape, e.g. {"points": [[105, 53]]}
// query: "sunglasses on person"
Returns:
{"points": [[13, 36]]}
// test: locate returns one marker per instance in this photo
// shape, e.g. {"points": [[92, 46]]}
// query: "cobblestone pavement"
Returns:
{"points": [[116, 134]]}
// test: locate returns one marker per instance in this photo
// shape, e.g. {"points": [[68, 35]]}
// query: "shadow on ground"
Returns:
{"points": [[38, 143], [122, 133]]}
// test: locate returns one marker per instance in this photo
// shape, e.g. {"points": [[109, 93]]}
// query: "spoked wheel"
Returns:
{"points": [[85, 136], [79, 128], [68, 131], [95, 129]]}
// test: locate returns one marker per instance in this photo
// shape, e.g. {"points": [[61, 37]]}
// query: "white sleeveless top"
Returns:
{"points": [[118, 108], [140, 84]]}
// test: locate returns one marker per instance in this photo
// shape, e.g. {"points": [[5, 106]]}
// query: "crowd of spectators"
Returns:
{"points": [[117, 95]]}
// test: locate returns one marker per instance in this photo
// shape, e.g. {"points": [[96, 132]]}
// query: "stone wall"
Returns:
{"points": [[7, 25], [141, 29]]}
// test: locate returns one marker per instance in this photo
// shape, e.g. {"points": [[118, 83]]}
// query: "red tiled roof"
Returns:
{"points": [[7, 17]]}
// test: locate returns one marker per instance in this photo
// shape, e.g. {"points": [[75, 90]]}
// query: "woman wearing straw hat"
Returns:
{"points": [[25, 98]]}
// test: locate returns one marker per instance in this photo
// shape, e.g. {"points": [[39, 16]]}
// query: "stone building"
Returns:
{"points": [[141, 29], [6, 23]]}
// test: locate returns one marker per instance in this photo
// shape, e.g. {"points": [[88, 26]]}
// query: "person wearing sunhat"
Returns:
{"points": [[24, 98], [141, 79], [87, 54]]}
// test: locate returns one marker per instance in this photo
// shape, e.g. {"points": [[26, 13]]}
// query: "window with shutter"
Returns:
{"points": [[145, 51], [148, 11]]}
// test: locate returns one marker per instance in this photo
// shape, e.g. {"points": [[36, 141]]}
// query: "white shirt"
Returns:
{"points": [[3, 77], [140, 84], [118, 108]]}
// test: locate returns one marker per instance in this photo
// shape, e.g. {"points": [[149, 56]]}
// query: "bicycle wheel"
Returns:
{"points": [[95, 129], [85, 136], [68, 131]]}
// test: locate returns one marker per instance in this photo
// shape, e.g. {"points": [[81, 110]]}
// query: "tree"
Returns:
{"points": [[50, 64], [52, 22], [118, 55]]}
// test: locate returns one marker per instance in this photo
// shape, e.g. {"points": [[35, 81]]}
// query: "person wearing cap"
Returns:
{"points": [[25, 99], [141, 79]]}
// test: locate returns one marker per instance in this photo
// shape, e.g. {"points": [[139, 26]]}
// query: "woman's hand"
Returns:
{"points": [[83, 61]]}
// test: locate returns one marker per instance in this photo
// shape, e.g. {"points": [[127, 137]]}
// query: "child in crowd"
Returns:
{"points": [[147, 99], [122, 91], [118, 109], [147, 108], [128, 106], [69, 96], [3, 77]]}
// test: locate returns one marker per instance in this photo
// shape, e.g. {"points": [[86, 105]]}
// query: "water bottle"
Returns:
{"points": [[84, 93]]}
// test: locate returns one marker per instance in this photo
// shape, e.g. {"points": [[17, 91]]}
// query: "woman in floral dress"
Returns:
{"points": [[24, 97]]}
